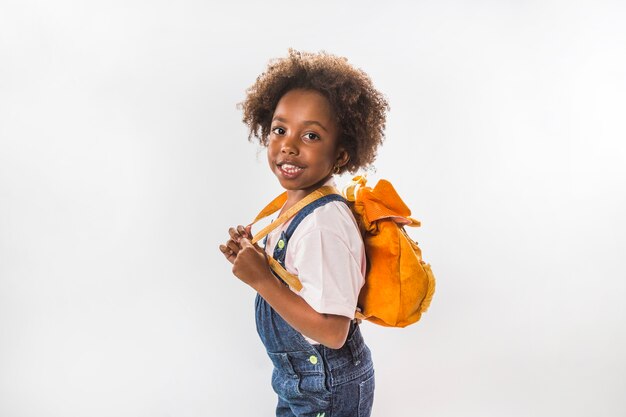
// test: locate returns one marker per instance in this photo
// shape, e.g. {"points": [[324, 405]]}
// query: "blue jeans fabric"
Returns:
{"points": [[314, 380]]}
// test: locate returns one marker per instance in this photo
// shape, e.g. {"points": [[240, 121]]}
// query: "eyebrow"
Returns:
{"points": [[305, 122]]}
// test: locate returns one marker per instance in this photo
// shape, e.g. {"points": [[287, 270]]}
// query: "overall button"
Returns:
{"points": [[313, 359], [281, 244]]}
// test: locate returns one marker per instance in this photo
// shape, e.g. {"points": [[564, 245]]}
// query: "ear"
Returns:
{"points": [[342, 157]]}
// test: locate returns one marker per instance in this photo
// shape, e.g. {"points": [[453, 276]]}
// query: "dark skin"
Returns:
{"points": [[303, 150]]}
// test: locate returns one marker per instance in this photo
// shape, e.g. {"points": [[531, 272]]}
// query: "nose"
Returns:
{"points": [[289, 145]]}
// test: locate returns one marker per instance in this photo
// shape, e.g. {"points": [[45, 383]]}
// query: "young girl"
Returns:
{"points": [[318, 116]]}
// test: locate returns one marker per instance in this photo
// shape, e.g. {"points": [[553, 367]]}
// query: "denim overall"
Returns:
{"points": [[314, 380]]}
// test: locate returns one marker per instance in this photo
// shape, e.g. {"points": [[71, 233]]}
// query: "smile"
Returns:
{"points": [[289, 170]]}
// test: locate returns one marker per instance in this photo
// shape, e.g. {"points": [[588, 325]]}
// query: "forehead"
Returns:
{"points": [[305, 105]]}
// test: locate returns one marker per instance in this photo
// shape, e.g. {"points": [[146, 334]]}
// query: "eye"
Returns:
{"points": [[278, 131], [311, 136]]}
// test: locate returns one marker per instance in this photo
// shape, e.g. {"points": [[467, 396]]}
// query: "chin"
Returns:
{"points": [[290, 186]]}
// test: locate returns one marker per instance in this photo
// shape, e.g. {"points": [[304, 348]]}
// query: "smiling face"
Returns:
{"points": [[303, 144]]}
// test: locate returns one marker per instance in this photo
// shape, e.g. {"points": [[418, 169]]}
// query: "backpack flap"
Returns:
{"points": [[378, 203]]}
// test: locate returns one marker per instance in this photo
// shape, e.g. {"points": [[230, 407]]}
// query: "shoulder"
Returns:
{"points": [[334, 221]]}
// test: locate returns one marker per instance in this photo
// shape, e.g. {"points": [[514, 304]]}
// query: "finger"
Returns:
{"points": [[234, 235], [242, 231], [248, 230], [249, 243], [231, 242], [230, 256], [259, 248], [226, 250], [245, 243], [233, 246]]}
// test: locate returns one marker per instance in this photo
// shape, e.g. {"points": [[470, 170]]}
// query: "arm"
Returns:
{"points": [[331, 330], [250, 265]]}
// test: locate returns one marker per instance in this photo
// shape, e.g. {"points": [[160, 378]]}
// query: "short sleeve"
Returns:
{"points": [[327, 253]]}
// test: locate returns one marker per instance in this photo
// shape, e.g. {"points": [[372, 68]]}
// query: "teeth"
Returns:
{"points": [[290, 169]]}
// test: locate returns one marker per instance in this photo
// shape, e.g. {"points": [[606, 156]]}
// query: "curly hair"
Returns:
{"points": [[360, 108]]}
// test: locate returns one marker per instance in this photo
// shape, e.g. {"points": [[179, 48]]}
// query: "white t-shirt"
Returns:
{"points": [[327, 254]]}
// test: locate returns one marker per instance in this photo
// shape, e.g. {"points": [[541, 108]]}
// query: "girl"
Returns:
{"points": [[317, 116]]}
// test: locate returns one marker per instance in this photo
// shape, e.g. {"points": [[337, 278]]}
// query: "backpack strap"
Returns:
{"points": [[273, 207], [280, 249], [277, 204]]}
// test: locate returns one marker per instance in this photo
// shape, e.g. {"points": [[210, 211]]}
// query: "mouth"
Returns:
{"points": [[289, 170]]}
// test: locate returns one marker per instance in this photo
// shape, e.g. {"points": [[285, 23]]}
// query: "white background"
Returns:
{"points": [[123, 161]]}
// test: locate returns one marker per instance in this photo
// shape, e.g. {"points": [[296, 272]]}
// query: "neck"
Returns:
{"points": [[293, 196]]}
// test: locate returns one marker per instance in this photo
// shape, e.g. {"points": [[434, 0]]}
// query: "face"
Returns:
{"points": [[303, 145]]}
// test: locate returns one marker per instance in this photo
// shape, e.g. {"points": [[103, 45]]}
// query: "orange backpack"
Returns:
{"points": [[399, 285]]}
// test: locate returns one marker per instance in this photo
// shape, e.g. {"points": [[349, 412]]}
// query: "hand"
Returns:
{"points": [[250, 264], [232, 247]]}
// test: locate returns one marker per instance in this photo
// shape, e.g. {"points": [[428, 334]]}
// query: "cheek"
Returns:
{"points": [[273, 152], [328, 158], [274, 141], [271, 148]]}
